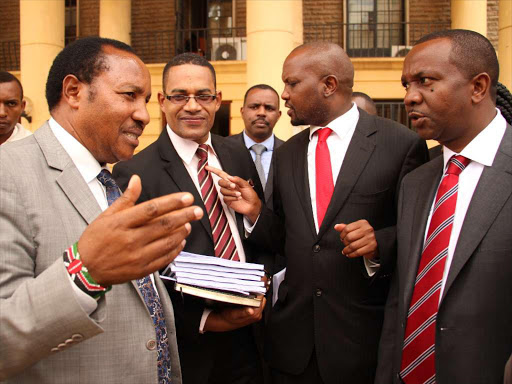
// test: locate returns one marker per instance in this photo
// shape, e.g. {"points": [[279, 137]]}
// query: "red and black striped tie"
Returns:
{"points": [[223, 241], [418, 357]]}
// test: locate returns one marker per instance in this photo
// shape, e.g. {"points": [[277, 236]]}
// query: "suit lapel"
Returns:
{"points": [[493, 190], [180, 176], [300, 176], [69, 179], [416, 228], [269, 186], [358, 153]]}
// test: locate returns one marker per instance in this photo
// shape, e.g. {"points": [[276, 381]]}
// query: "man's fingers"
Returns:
{"points": [[128, 198], [149, 210]]}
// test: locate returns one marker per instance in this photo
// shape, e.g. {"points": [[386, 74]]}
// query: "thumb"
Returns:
{"points": [[340, 227], [128, 198]]}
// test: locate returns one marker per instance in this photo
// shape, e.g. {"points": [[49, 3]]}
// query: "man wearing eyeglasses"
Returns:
{"points": [[215, 345]]}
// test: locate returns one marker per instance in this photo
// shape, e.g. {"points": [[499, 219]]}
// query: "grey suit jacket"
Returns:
{"points": [[239, 138], [45, 205], [473, 329]]}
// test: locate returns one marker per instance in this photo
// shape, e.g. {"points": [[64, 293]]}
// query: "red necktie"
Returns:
{"points": [[324, 183], [418, 357], [223, 242]]}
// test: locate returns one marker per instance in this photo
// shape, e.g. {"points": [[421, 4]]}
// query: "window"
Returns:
{"points": [[71, 31]]}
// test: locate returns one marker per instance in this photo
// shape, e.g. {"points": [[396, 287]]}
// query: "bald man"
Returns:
{"points": [[365, 102], [335, 194]]}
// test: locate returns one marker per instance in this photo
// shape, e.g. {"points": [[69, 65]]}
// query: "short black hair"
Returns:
{"points": [[83, 58], [188, 58], [261, 86], [7, 77], [472, 53]]}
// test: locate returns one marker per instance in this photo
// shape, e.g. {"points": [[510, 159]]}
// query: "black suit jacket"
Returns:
{"points": [[239, 139], [162, 172], [473, 327], [327, 303]]}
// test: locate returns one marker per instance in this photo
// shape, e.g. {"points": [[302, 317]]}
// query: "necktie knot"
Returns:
{"points": [[202, 152], [323, 134], [457, 164], [105, 178], [258, 148]]}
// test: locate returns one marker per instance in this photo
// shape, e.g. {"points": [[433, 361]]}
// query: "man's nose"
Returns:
{"points": [[412, 96], [3, 110], [192, 105], [141, 113]]}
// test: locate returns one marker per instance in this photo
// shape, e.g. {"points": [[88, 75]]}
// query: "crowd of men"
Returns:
{"points": [[397, 268]]}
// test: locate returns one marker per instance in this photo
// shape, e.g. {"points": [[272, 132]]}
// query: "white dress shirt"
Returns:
{"points": [[343, 128], [481, 151], [19, 132], [186, 150], [89, 168], [266, 157]]}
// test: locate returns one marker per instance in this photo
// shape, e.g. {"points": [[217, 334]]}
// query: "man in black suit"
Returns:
{"points": [[326, 324], [454, 231], [260, 113], [215, 345]]}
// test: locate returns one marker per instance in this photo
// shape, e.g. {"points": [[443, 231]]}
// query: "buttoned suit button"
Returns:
{"points": [[77, 337], [316, 248], [318, 292], [151, 345]]}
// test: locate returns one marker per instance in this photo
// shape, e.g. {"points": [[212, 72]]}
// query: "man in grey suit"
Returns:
{"points": [[448, 315], [339, 243], [80, 300], [260, 113]]}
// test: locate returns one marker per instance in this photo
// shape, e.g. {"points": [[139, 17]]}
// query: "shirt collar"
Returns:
{"points": [[186, 148], [342, 124], [85, 162], [268, 143], [483, 148]]}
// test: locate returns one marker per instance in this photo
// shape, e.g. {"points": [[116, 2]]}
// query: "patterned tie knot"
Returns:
{"points": [[457, 164], [324, 133], [105, 178], [258, 148], [202, 152]]}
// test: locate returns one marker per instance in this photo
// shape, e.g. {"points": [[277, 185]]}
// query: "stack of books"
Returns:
{"points": [[217, 279]]}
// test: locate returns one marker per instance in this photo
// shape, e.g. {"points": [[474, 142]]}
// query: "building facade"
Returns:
{"points": [[246, 40]]}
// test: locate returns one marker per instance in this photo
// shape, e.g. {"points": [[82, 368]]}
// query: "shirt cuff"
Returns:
{"points": [[248, 227], [87, 303], [206, 313], [372, 266]]}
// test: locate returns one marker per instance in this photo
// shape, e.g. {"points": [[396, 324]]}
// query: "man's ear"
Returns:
{"points": [[161, 99], [330, 83], [481, 86], [218, 101], [72, 90]]}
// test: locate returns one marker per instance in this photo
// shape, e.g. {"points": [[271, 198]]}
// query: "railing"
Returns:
{"points": [[214, 44], [393, 110], [372, 39], [10, 55]]}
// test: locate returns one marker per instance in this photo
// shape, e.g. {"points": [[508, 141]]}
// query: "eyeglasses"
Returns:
{"points": [[183, 99]]}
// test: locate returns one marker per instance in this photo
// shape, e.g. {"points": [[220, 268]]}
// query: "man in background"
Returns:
{"points": [[12, 106], [364, 102]]}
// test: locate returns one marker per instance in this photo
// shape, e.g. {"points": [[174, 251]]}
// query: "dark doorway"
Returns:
{"points": [[222, 123]]}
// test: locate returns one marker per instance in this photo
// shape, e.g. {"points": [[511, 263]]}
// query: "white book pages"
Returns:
{"points": [[209, 272], [210, 267], [187, 257], [238, 282], [222, 286]]}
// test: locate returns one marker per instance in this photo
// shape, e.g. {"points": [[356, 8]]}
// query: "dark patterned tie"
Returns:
{"points": [[149, 295], [223, 242], [418, 357], [323, 169]]}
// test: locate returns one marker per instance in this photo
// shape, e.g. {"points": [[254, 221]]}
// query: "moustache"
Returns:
{"points": [[261, 121]]}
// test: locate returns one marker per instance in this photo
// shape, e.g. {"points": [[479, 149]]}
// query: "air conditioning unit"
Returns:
{"points": [[400, 50], [229, 48]]}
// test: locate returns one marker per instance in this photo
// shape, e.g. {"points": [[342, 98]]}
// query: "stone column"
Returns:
{"points": [[116, 19], [470, 14], [274, 28], [41, 39]]}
